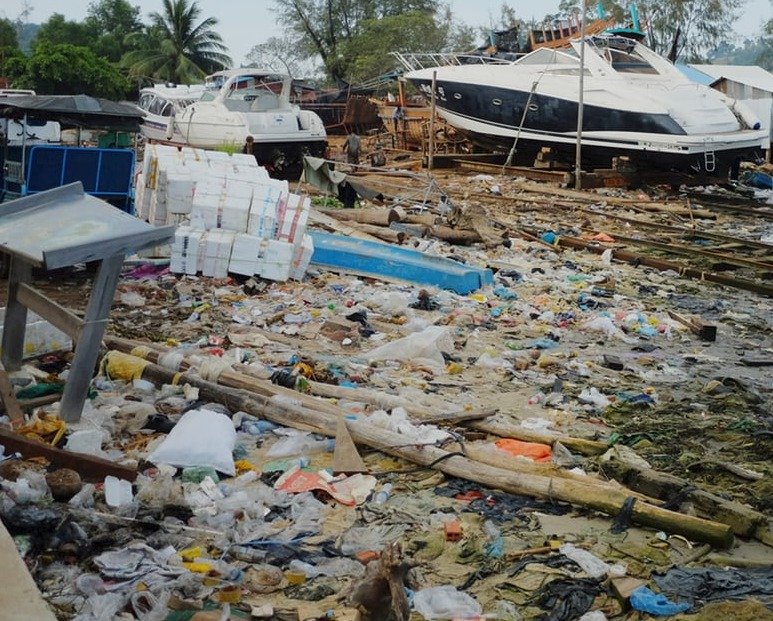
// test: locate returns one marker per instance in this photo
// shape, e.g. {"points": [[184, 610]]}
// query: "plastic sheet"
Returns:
{"points": [[644, 600], [699, 585], [445, 602], [424, 347], [200, 438]]}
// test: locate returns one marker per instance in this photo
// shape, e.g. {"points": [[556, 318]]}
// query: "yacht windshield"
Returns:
{"points": [[622, 55]]}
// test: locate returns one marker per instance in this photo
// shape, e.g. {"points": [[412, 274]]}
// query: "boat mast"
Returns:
{"points": [[578, 150]]}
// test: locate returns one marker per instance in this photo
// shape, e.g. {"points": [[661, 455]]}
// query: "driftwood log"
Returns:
{"points": [[375, 216]]}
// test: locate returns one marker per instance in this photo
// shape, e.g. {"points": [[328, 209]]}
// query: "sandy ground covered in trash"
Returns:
{"points": [[532, 348]]}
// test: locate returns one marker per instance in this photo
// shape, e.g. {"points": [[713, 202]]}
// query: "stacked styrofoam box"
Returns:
{"points": [[215, 252], [40, 337], [277, 262], [294, 218], [266, 200], [179, 192], [238, 218], [302, 257], [236, 205], [185, 250], [247, 254]]}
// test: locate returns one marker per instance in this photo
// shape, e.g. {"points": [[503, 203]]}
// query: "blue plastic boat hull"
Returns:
{"points": [[393, 263]]}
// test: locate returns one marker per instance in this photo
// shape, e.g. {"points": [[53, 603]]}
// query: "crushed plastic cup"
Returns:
{"points": [[118, 492]]}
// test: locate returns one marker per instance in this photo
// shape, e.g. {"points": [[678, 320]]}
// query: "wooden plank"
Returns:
{"points": [[346, 458], [705, 331], [90, 468], [15, 323], [87, 351], [20, 599], [52, 312], [8, 395]]}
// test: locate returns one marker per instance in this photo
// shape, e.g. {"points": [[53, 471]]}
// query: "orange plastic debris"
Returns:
{"points": [[603, 237], [453, 530], [367, 556], [532, 450]]}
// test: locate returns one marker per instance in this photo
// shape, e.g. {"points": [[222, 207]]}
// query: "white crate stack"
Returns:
{"points": [[231, 216]]}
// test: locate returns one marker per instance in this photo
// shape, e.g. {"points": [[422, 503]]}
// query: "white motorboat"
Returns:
{"points": [[636, 104], [232, 106], [160, 102]]}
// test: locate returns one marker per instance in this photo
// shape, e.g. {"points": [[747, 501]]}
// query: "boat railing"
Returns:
{"points": [[414, 62]]}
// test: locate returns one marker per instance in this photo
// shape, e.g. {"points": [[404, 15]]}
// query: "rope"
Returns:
{"points": [[210, 369], [171, 360], [141, 351]]}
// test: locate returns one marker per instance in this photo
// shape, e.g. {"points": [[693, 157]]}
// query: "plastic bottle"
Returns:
{"points": [[305, 568], [383, 494]]}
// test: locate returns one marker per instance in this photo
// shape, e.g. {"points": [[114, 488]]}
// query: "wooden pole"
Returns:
{"points": [[580, 105], [433, 108]]}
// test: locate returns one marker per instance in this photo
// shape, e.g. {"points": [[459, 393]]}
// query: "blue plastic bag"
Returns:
{"points": [[644, 600]]}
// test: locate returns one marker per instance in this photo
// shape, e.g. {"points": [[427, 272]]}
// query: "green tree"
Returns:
{"points": [[8, 37], [367, 55], [9, 45], [324, 28], [112, 23], [64, 69], [281, 55], [765, 57], [680, 29], [58, 30], [687, 29], [175, 47]]}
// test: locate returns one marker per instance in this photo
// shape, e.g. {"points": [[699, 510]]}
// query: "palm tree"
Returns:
{"points": [[174, 48]]}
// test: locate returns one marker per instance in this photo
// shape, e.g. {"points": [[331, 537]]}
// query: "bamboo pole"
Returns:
{"points": [[597, 497]]}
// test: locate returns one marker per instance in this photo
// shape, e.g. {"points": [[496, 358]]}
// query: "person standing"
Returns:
{"points": [[352, 148], [397, 116]]}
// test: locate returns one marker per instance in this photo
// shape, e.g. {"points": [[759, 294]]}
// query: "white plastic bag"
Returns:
{"points": [[421, 348], [445, 602], [200, 438]]}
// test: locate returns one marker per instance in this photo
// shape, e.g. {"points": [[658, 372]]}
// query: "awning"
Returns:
{"points": [[74, 110]]}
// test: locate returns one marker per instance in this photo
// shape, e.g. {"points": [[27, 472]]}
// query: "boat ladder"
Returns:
{"points": [[709, 161]]}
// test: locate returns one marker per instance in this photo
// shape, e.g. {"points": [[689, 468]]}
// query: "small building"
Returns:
{"points": [[749, 84]]}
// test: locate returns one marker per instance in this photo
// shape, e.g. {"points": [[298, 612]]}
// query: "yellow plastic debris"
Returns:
{"points": [[190, 554], [123, 366]]}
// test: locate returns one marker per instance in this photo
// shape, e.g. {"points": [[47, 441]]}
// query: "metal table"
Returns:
{"points": [[59, 228]]}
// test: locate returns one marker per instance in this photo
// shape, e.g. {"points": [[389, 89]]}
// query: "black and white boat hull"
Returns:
{"points": [[656, 118]]}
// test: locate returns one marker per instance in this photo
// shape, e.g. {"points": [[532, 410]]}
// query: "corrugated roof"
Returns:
{"points": [[694, 75], [752, 75]]}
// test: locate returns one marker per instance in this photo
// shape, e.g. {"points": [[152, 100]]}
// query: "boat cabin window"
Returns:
{"points": [[156, 105], [621, 54], [145, 100], [554, 62]]}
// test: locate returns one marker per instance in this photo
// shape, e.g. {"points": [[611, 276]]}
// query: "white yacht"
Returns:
{"points": [[636, 104], [232, 106], [162, 101]]}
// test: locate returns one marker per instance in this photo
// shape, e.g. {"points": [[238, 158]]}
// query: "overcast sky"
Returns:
{"points": [[244, 23]]}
